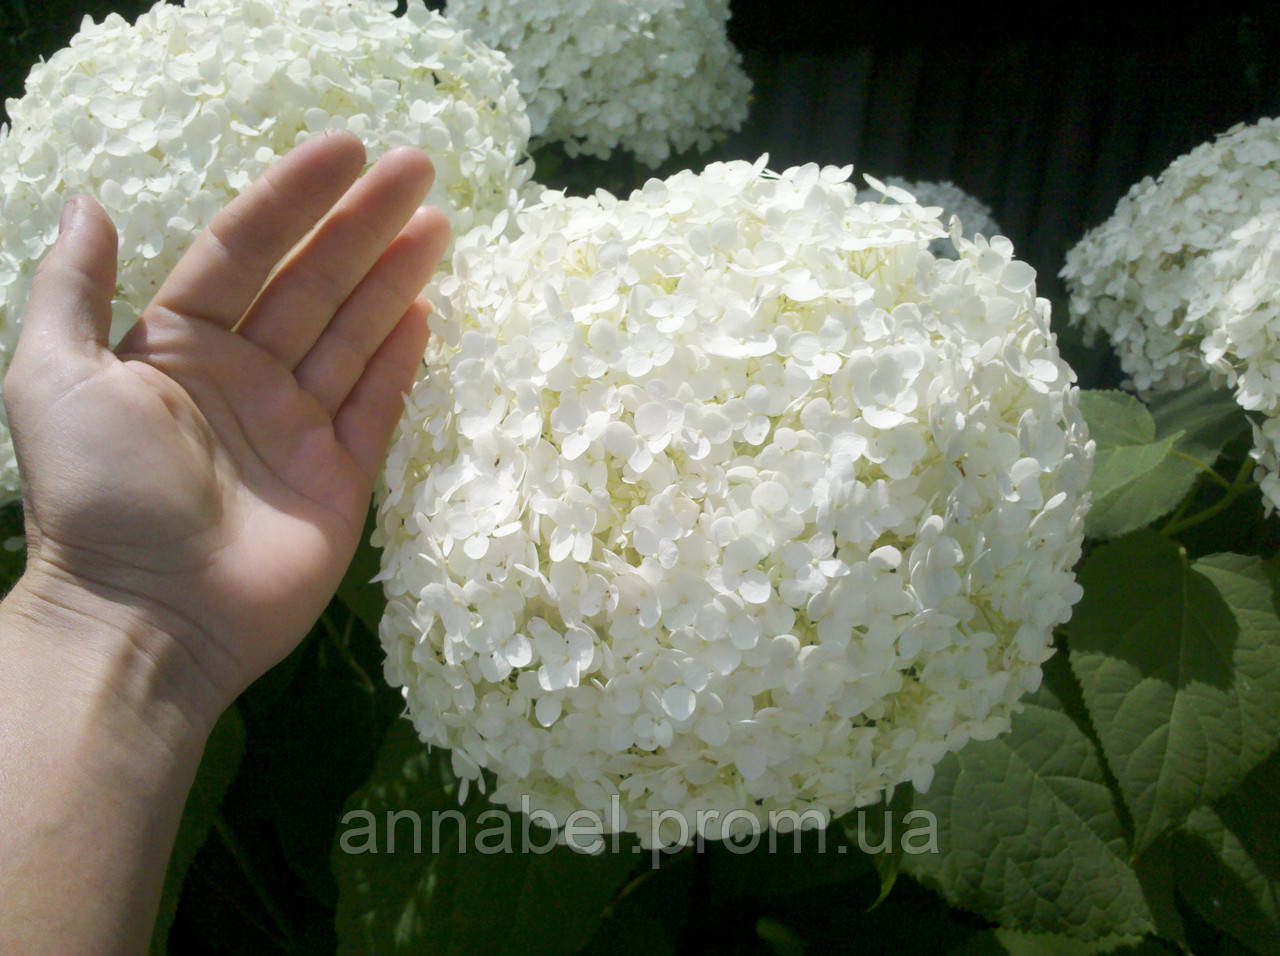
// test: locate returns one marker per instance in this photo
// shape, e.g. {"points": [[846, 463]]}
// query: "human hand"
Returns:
{"points": [[209, 477]]}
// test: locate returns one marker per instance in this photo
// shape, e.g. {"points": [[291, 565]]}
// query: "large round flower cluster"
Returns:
{"points": [[976, 217], [165, 120], [1238, 308], [1134, 276], [649, 76], [728, 496]]}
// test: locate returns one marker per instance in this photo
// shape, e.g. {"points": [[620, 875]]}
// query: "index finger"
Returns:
{"points": [[218, 278]]}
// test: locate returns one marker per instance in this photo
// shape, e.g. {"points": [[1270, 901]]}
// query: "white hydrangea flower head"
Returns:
{"points": [[166, 120], [976, 217], [1134, 276], [1237, 306], [648, 76], [728, 496], [1266, 452]]}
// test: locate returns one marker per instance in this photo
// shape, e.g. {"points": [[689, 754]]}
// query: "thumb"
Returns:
{"points": [[69, 306]]}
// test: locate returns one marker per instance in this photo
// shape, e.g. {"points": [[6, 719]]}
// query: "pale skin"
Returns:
{"points": [[192, 499]]}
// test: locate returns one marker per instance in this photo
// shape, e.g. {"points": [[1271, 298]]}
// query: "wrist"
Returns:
{"points": [[124, 661], [102, 728]]}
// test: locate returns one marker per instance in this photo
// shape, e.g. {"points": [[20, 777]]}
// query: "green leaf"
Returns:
{"points": [[483, 893], [999, 942], [1028, 833], [1180, 669], [1209, 419], [218, 766], [1156, 873], [1252, 812], [876, 832], [13, 549], [1125, 471], [1249, 817], [1136, 475], [1219, 878], [326, 707], [1148, 460], [1116, 419], [357, 589], [547, 162], [781, 939], [649, 914]]}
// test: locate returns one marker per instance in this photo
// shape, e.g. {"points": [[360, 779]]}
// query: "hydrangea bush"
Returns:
{"points": [[728, 495], [1134, 277], [1183, 279], [646, 76], [165, 120], [976, 217], [733, 495], [1237, 306]]}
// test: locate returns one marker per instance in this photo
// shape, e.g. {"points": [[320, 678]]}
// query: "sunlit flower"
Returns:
{"points": [[798, 502], [976, 217]]}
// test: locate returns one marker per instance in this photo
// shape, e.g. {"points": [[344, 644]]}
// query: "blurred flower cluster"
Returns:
{"points": [[647, 76], [1134, 277], [1183, 278]]}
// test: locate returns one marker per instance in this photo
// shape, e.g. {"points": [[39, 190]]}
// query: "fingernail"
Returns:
{"points": [[69, 209]]}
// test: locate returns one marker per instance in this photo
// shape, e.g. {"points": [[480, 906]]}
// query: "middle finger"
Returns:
{"points": [[305, 293]]}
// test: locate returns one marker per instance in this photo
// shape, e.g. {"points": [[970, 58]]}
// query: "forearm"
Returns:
{"points": [[101, 731]]}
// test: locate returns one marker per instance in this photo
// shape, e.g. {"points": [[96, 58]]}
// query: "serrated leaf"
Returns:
{"points": [[1218, 877], [1137, 477], [435, 895], [1155, 871], [1028, 832], [218, 766], [1209, 418], [1116, 419], [1148, 460], [1121, 471], [873, 831], [1180, 669], [1252, 812]]}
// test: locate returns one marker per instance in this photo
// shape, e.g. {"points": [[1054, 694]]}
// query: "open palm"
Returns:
{"points": [[215, 468]]}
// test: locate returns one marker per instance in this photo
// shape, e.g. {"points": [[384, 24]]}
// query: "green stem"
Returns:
{"points": [[1181, 510], [229, 840], [683, 854], [1207, 470], [341, 642], [246, 912], [1237, 487]]}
